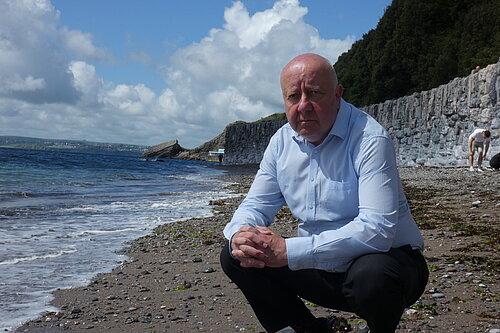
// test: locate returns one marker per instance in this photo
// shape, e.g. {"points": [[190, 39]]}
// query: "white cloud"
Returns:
{"points": [[86, 82], [80, 44], [253, 30], [130, 100], [33, 69], [49, 86], [16, 83]]}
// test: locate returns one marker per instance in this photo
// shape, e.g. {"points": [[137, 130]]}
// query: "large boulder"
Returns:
{"points": [[168, 149]]}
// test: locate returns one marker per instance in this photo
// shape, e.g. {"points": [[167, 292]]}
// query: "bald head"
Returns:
{"points": [[311, 60]]}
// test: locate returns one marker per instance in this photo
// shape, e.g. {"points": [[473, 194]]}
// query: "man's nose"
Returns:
{"points": [[304, 104]]}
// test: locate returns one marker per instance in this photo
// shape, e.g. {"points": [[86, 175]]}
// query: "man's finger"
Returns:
{"points": [[252, 263]]}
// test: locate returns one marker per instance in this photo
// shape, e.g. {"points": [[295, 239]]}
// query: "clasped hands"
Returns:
{"points": [[259, 247]]}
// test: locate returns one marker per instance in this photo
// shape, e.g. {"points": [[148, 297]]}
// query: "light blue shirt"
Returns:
{"points": [[346, 193]]}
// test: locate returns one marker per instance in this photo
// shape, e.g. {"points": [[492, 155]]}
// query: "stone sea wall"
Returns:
{"points": [[428, 128]]}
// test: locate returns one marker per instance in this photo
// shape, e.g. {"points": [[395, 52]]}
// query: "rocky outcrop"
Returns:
{"points": [[168, 149], [200, 153], [172, 149]]}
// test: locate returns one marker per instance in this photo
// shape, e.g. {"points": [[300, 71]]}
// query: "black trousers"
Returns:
{"points": [[377, 287]]}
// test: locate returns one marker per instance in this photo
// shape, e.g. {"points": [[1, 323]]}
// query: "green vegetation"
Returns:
{"points": [[274, 116], [419, 45]]}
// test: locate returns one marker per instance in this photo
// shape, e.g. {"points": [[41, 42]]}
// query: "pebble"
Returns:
{"points": [[438, 295], [427, 302], [494, 330], [208, 270]]}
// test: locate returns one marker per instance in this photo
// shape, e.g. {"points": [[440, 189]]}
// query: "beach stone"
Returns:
{"points": [[427, 302], [208, 270]]}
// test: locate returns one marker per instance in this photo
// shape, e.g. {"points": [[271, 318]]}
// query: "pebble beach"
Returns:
{"points": [[172, 280]]}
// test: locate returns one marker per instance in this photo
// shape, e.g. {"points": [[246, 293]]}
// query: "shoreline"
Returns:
{"points": [[173, 281]]}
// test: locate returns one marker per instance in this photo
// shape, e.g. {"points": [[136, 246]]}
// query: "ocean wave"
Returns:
{"points": [[38, 257], [95, 232], [17, 194], [8, 212]]}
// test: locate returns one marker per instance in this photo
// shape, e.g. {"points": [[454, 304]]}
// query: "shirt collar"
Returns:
{"points": [[341, 124]]}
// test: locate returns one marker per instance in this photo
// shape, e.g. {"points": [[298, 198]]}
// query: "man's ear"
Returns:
{"points": [[339, 90]]}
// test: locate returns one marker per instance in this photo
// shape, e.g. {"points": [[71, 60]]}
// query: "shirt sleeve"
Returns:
{"points": [[372, 230], [264, 198]]}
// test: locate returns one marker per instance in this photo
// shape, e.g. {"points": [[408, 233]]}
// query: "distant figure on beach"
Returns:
{"points": [[479, 141], [220, 158], [495, 161], [476, 70], [357, 249]]}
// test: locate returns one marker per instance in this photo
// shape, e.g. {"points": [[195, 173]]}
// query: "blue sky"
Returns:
{"points": [[146, 72]]}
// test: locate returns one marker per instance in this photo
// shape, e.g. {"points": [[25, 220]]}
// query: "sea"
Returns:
{"points": [[65, 216]]}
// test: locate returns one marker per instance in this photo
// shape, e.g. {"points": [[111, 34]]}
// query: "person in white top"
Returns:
{"points": [[479, 141]]}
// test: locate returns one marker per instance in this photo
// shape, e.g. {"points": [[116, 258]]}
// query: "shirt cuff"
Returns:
{"points": [[300, 252]]}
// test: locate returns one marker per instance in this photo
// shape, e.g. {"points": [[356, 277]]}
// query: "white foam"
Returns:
{"points": [[37, 257], [97, 232]]}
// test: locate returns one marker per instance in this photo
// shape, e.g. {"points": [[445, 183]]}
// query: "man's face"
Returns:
{"points": [[311, 99]]}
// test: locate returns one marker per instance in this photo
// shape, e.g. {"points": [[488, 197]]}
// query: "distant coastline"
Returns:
{"points": [[81, 146]]}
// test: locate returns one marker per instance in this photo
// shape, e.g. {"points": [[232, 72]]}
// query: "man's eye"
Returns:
{"points": [[293, 96]]}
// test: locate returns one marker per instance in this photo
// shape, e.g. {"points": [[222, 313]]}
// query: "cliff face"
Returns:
{"points": [[428, 128], [246, 142]]}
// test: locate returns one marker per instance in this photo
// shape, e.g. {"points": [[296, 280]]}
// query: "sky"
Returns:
{"points": [[146, 72]]}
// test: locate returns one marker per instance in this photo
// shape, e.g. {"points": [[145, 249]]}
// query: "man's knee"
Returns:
{"points": [[373, 276]]}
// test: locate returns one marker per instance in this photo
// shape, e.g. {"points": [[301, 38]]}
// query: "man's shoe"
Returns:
{"points": [[471, 168], [480, 169], [287, 330], [364, 329]]}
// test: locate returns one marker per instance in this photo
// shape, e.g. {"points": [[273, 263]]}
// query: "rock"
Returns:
{"points": [[164, 150]]}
